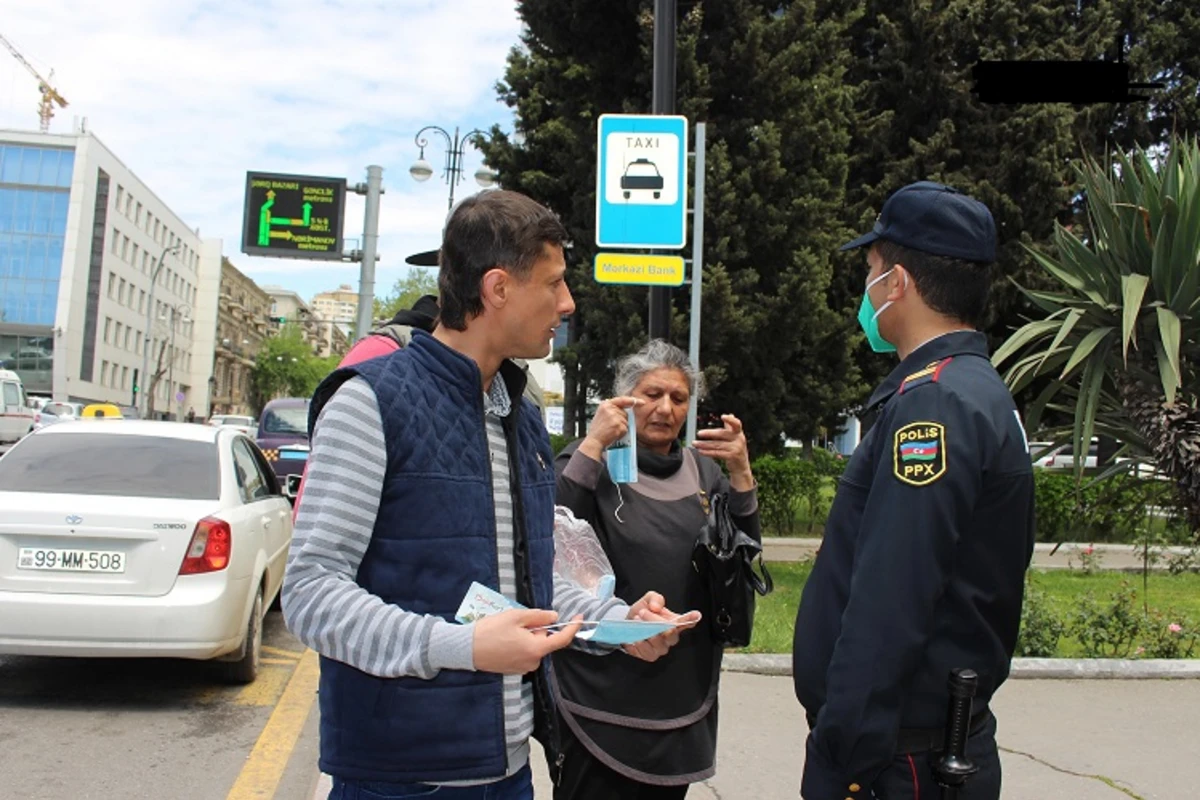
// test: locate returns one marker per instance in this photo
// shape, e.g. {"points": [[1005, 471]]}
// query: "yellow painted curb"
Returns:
{"points": [[264, 768]]}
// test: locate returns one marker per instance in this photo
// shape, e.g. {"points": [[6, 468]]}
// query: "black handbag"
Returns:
{"points": [[724, 556]]}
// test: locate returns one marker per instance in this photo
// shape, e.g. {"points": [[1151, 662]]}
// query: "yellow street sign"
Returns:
{"points": [[635, 268]]}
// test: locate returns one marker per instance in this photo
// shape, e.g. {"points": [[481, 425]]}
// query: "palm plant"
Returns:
{"points": [[1118, 345]]}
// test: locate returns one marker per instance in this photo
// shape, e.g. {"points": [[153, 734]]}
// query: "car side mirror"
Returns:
{"points": [[291, 487]]}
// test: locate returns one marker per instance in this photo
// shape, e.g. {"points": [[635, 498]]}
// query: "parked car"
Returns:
{"points": [[1047, 456], [16, 415], [140, 539], [56, 411], [246, 425], [283, 435]]}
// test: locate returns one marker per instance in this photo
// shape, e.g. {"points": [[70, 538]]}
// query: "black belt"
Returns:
{"points": [[922, 740]]}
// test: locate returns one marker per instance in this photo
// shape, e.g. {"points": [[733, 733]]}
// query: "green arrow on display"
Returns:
{"points": [[264, 220]]}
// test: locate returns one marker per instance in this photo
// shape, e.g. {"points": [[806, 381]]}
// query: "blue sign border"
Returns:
{"points": [[619, 225]]}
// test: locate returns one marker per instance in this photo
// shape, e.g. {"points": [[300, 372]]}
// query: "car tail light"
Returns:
{"points": [[210, 547]]}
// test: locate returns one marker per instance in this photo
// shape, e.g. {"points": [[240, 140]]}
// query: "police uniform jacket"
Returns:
{"points": [[922, 566]]}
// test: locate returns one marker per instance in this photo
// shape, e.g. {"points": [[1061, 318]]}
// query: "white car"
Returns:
{"points": [[247, 425], [140, 539], [16, 415], [53, 412], [1047, 456]]}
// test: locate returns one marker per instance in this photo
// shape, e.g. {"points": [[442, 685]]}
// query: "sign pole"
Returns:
{"points": [[697, 272], [663, 102], [366, 275]]}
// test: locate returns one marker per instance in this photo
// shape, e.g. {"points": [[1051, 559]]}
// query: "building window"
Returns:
{"points": [[137, 343], [117, 338], [121, 292], [120, 197], [134, 261], [124, 248], [124, 377], [128, 203], [142, 301], [137, 220], [127, 332], [112, 283], [107, 328], [116, 241], [104, 373]]}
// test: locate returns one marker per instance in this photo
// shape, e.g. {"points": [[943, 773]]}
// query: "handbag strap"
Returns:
{"points": [[764, 585]]}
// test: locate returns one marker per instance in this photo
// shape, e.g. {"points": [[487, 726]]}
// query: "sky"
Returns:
{"points": [[192, 94]]}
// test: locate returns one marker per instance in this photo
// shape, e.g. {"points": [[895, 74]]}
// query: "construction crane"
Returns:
{"points": [[50, 95]]}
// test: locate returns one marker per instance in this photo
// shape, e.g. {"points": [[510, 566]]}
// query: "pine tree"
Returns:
{"points": [[777, 109]]}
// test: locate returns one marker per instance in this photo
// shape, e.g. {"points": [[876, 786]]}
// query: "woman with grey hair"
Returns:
{"points": [[631, 730]]}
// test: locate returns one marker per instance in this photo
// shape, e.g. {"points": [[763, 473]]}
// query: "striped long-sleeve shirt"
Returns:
{"points": [[326, 608]]}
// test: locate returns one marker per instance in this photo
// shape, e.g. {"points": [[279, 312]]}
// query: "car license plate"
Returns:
{"points": [[54, 558], [293, 455]]}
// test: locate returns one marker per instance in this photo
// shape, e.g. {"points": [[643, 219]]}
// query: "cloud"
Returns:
{"points": [[190, 95]]}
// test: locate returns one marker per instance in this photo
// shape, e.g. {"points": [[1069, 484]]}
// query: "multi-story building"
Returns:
{"points": [[339, 306], [243, 317], [95, 269], [287, 307], [335, 340]]}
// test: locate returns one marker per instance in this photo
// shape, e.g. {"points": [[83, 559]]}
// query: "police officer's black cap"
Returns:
{"points": [[429, 258], [936, 219]]}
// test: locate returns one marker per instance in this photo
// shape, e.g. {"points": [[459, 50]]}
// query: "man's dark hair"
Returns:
{"points": [[951, 286], [485, 231]]}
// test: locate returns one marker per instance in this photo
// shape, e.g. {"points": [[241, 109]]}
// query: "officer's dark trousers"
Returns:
{"points": [[910, 776], [585, 778]]}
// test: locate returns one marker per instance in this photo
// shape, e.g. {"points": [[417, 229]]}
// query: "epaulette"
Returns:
{"points": [[921, 377]]}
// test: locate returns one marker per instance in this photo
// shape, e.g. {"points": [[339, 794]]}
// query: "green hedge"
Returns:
{"points": [[793, 486], [794, 495], [1121, 508]]}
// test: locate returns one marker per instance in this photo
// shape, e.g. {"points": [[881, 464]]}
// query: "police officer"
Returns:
{"points": [[923, 562]]}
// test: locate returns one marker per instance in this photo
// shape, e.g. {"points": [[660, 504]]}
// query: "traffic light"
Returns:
{"points": [[135, 386]]}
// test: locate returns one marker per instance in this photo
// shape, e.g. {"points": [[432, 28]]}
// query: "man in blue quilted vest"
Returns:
{"points": [[428, 472]]}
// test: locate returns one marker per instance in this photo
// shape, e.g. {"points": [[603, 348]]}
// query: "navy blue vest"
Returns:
{"points": [[435, 533]]}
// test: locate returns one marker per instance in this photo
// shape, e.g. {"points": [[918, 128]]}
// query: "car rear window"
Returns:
{"points": [[113, 465], [289, 421]]}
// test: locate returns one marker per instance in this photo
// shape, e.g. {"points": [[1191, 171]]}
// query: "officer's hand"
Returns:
{"points": [[652, 608], [728, 444], [505, 644], [608, 425]]}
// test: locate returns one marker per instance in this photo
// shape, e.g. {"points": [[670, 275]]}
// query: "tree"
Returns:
{"points": [[773, 351], [286, 367], [406, 291], [160, 370], [1120, 342]]}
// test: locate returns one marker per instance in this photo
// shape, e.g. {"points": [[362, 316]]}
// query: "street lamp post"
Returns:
{"points": [[176, 314], [145, 379], [422, 170]]}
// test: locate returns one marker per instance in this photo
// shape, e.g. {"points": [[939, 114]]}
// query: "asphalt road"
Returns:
{"points": [[149, 728]]}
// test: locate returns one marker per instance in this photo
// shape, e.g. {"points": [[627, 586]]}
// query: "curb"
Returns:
{"points": [[1022, 668]]}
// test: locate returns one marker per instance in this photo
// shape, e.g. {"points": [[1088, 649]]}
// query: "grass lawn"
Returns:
{"points": [[776, 614]]}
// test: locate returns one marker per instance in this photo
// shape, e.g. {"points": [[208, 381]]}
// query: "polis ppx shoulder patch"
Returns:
{"points": [[919, 456]]}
